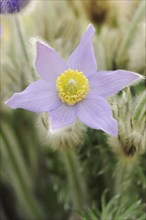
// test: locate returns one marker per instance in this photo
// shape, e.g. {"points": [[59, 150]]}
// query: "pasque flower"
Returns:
{"points": [[73, 90], [12, 6]]}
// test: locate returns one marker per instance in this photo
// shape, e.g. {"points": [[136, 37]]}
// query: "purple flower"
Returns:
{"points": [[73, 90], [12, 6]]}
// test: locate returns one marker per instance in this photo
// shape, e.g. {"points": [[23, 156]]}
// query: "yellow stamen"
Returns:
{"points": [[72, 86]]}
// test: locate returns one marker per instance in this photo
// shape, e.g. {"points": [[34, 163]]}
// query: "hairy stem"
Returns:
{"points": [[77, 187], [128, 37], [21, 37], [124, 185]]}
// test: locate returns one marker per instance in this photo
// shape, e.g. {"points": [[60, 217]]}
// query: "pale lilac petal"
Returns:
{"points": [[107, 83], [62, 116], [48, 63], [96, 114], [37, 97], [83, 58]]}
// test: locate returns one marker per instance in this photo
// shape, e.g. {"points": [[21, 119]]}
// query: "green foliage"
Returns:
{"points": [[114, 210]]}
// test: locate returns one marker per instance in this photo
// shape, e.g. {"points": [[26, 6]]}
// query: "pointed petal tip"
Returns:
{"points": [[90, 31], [91, 28], [135, 78], [140, 77], [108, 83], [48, 62], [113, 129], [40, 44], [83, 57], [135, 75], [5, 102], [9, 103], [37, 43]]}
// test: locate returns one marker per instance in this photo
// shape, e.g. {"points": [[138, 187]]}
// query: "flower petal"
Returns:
{"points": [[107, 83], [83, 58], [62, 116], [11, 6], [48, 63], [96, 113], [37, 97]]}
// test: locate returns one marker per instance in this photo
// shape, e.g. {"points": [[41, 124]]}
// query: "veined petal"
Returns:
{"points": [[62, 116], [83, 58], [37, 97], [107, 83], [48, 63], [96, 113]]}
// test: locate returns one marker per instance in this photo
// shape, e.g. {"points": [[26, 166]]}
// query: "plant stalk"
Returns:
{"points": [[128, 37], [124, 185], [76, 182], [21, 37]]}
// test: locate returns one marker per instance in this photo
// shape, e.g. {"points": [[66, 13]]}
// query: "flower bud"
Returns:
{"points": [[130, 142], [97, 11], [68, 137], [12, 6]]}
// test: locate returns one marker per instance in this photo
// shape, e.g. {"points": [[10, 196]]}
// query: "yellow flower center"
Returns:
{"points": [[72, 86]]}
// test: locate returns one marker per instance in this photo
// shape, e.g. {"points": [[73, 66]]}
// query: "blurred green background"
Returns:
{"points": [[103, 177]]}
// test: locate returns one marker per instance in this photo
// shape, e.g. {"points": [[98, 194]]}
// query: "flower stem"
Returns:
{"points": [[77, 187], [21, 37], [123, 181], [128, 37]]}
